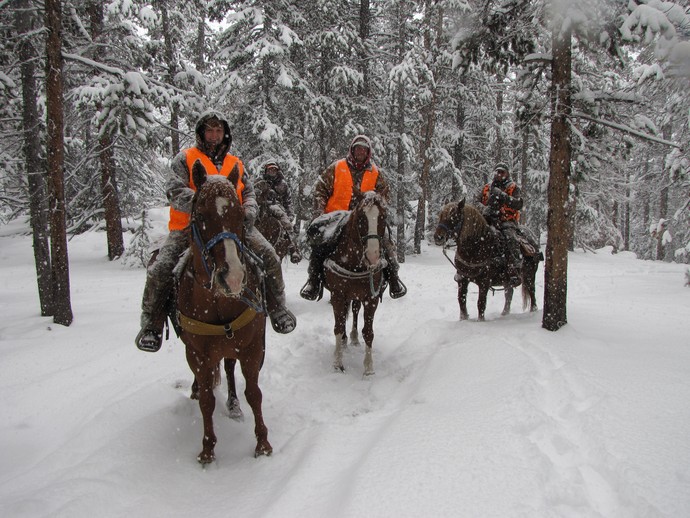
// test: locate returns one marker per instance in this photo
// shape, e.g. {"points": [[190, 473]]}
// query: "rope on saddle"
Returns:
{"points": [[348, 274]]}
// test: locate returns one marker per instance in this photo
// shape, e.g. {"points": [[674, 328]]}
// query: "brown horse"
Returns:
{"points": [[353, 273], [480, 258], [269, 225], [268, 222], [220, 307]]}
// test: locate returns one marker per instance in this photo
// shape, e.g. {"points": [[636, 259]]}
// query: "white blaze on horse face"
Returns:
{"points": [[373, 250], [235, 271]]}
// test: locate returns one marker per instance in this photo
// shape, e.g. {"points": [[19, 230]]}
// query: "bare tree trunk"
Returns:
{"points": [[62, 313], [400, 206], [25, 20], [498, 153], [558, 220], [111, 199], [200, 44], [364, 31], [663, 202], [109, 191], [170, 77], [524, 180], [459, 146], [429, 118]]}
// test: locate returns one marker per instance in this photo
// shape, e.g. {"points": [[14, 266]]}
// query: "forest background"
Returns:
{"points": [[587, 101]]}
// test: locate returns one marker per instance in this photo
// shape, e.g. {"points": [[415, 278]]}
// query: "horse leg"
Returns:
{"points": [[529, 283], [368, 334], [340, 307], [463, 284], [354, 333], [233, 403], [481, 302], [250, 370], [508, 299], [203, 372]]}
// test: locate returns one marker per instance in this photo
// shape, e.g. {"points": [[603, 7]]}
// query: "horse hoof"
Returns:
{"points": [[206, 458], [369, 372], [505, 312], [338, 368], [235, 413], [264, 450]]}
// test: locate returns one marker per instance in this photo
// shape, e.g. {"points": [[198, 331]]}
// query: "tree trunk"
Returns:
{"points": [[109, 191], [459, 146], [364, 31], [498, 153], [558, 220], [172, 72], [62, 313], [111, 199], [429, 124], [400, 206], [663, 202], [524, 181], [200, 43], [25, 20]]}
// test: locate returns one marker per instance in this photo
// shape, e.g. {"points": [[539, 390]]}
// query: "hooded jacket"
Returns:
{"points": [[180, 187], [340, 185]]}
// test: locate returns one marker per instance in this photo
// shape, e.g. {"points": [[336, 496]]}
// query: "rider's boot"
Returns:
{"points": [[295, 254], [150, 336], [282, 319], [396, 288], [312, 289]]}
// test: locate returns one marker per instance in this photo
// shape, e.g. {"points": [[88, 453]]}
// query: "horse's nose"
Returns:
{"points": [[439, 240], [233, 279]]}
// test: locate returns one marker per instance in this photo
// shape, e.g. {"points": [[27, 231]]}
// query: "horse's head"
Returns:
{"points": [[369, 217], [450, 221], [216, 224]]}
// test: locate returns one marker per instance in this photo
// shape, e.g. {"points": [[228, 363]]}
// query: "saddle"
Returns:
{"points": [[326, 228]]}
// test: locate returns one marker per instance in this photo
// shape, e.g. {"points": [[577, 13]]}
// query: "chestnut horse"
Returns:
{"points": [[480, 258], [220, 305], [353, 273]]}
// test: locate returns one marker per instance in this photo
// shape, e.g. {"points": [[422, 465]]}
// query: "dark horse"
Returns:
{"points": [[480, 258], [353, 273], [220, 308], [268, 222]]}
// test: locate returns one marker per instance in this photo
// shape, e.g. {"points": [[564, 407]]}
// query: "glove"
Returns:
{"points": [[498, 195], [249, 220]]}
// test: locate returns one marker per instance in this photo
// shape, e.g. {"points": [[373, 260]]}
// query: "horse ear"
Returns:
{"points": [[461, 204], [198, 174], [234, 175]]}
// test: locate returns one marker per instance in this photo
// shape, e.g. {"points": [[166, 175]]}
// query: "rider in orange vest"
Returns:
{"points": [[339, 188], [503, 200], [213, 141]]}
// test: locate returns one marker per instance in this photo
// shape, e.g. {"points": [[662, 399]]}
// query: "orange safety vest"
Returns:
{"points": [[342, 185], [180, 220], [507, 214]]}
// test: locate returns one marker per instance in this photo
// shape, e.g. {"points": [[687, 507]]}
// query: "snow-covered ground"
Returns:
{"points": [[462, 419]]}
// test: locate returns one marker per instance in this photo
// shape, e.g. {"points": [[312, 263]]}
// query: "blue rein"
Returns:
{"points": [[211, 243]]}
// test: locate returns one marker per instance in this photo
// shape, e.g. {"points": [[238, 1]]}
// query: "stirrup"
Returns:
{"points": [[283, 321], [149, 341], [401, 292], [316, 291]]}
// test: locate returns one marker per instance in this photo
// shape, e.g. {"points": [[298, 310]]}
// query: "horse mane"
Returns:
{"points": [[474, 223]]}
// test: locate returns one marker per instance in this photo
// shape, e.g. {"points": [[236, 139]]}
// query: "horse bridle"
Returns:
{"points": [[253, 301], [206, 247]]}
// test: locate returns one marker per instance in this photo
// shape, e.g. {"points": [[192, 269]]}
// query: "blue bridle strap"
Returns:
{"points": [[211, 243]]}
